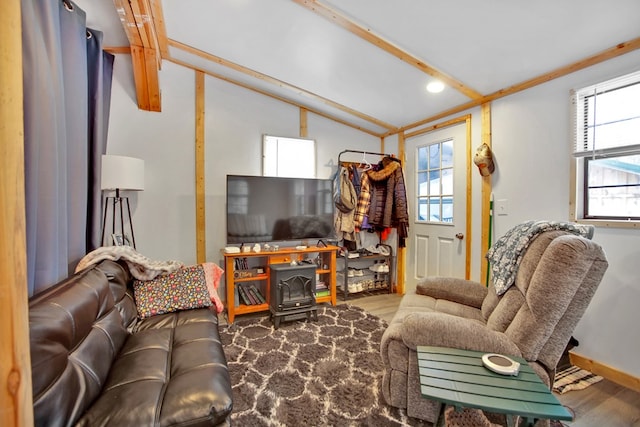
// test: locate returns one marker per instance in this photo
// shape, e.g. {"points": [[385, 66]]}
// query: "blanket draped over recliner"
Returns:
{"points": [[505, 255]]}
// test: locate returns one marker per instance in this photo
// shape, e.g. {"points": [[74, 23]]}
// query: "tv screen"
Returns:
{"points": [[271, 209]]}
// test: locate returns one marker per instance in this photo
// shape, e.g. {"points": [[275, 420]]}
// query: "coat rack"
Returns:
{"points": [[364, 153]]}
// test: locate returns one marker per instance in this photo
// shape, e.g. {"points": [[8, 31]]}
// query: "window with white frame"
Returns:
{"points": [[606, 147], [288, 157]]}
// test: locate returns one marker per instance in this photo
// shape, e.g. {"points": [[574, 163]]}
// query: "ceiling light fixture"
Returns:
{"points": [[435, 86]]}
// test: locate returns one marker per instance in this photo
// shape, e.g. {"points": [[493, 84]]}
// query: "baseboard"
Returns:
{"points": [[612, 374]]}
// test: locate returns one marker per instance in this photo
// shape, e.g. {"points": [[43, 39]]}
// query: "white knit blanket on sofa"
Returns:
{"points": [[140, 266]]}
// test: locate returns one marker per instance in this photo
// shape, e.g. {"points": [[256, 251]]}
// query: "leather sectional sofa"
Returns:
{"points": [[94, 362]]}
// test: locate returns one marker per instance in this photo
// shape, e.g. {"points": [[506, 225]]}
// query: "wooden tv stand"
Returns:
{"points": [[257, 271]]}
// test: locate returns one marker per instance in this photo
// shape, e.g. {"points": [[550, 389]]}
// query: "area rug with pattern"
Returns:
{"points": [[320, 373]]}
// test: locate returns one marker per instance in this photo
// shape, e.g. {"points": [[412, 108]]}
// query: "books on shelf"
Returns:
{"points": [[256, 293], [322, 290], [250, 295], [244, 296], [241, 263]]}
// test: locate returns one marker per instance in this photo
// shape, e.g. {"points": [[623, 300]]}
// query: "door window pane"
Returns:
{"points": [[434, 156], [447, 209], [423, 209], [434, 182], [447, 154], [447, 181], [423, 183], [434, 179], [435, 209]]}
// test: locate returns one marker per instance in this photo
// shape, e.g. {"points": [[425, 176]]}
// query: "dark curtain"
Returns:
{"points": [[100, 71], [59, 153]]}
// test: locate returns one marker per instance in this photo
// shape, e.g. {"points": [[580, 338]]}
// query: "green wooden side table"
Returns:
{"points": [[458, 377]]}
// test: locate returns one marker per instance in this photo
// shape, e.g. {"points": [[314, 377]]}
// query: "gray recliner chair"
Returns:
{"points": [[534, 319]]}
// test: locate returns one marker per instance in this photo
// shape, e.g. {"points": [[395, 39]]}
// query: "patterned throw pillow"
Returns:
{"points": [[181, 290]]}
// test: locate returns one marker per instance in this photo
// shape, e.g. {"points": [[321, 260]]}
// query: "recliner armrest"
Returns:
{"points": [[462, 291], [445, 330]]}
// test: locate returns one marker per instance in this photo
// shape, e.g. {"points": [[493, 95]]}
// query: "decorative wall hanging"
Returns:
{"points": [[483, 159]]}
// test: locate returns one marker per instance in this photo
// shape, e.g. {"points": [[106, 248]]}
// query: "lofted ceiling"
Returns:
{"points": [[365, 63]]}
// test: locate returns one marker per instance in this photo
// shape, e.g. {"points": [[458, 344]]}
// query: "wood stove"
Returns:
{"points": [[292, 292]]}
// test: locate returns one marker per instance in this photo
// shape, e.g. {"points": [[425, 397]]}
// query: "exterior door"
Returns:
{"points": [[436, 169]]}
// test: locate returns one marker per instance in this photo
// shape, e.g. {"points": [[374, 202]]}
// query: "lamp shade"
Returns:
{"points": [[122, 173]]}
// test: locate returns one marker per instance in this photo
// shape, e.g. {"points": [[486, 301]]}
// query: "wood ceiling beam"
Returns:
{"points": [[159, 27], [255, 74], [128, 21], [368, 35], [144, 26], [117, 49], [274, 96]]}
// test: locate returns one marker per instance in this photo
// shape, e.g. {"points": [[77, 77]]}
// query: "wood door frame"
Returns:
{"points": [[468, 227]]}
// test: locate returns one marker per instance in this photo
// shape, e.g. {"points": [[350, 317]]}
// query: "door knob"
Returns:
{"points": [[459, 236]]}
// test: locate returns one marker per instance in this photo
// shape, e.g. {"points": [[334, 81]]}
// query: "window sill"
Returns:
{"points": [[610, 223]]}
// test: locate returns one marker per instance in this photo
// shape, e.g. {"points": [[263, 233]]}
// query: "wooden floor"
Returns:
{"points": [[604, 404]]}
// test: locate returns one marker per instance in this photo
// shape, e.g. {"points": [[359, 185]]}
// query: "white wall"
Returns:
{"points": [[235, 120], [530, 135], [164, 213]]}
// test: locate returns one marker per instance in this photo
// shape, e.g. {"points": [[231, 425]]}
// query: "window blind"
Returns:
{"points": [[606, 118]]}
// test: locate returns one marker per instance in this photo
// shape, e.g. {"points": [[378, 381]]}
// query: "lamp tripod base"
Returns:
{"points": [[118, 239]]}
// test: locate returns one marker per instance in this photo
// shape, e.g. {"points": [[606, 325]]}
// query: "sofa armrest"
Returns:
{"points": [[444, 330], [462, 291]]}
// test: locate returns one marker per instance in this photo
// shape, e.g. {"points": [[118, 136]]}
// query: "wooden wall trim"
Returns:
{"points": [[117, 49], [486, 194], [439, 125], [304, 128], [612, 52], [605, 371], [276, 82], [16, 402], [201, 228], [401, 256], [271, 95], [468, 233]]}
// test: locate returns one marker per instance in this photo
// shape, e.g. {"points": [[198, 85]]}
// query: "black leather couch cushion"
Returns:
{"points": [[170, 372], [75, 335]]}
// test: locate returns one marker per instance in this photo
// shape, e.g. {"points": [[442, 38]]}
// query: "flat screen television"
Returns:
{"points": [[264, 209]]}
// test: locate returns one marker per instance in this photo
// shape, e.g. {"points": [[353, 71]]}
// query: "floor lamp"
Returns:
{"points": [[120, 173]]}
